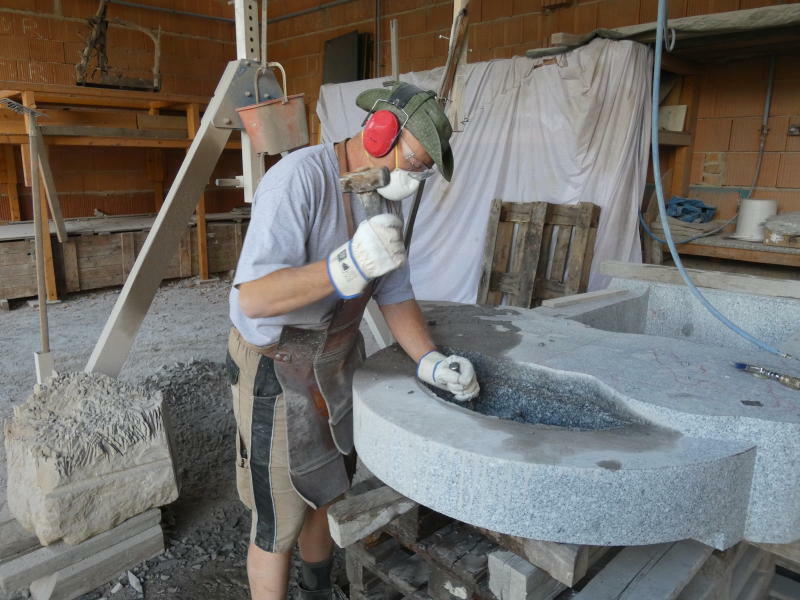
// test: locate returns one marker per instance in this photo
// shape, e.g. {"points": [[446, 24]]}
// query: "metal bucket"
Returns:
{"points": [[277, 125]]}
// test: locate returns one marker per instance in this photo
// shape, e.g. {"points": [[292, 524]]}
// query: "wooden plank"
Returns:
{"points": [[21, 572], [14, 540], [674, 138], [583, 298], [758, 256], [731, 282], [559, 263], [92, 117], [356, 517], [89, 96], [656, 572], [679, 66], [161, 122], [156, 174], [193, 124], [11, 183], [789, 552], [29, 100], [69, 254], [588, 259], [489, 250], [116, 142], [532, 249], [95, 570], [49, 186], [576, 264], [110, 132], [128, 253], [502, 250], [505, 283]]}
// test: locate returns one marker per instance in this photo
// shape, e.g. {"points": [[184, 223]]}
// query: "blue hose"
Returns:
{"points": [[662, 209]]}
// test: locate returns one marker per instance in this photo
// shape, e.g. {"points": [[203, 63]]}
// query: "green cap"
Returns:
{"points": [[427, 121]]}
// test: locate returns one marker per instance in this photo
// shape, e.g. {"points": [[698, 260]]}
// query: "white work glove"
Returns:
{"points": [[437, 369], [376, 248]]}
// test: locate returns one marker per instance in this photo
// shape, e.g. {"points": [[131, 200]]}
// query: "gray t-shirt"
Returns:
{"points": [[298, 218]]}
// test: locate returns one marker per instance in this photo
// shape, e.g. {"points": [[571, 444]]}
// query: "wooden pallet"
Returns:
{"points": [[535, 251], [93, 261], [405, 551]]}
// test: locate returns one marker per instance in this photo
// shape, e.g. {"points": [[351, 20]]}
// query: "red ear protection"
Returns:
{"points": [[380, 133]]}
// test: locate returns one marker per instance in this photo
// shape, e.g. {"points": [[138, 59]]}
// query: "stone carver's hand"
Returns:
{"points": [[452, 373], [376, 248]]}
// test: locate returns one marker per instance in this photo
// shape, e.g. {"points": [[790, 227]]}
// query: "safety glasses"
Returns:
{"points": [[418, 170]]}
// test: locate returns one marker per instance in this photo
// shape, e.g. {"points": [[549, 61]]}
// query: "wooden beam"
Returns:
{"points": [[50, 187], [29, 100], [117, 142], [679, 66], [193, 124], [731, 282], [11, 183]]}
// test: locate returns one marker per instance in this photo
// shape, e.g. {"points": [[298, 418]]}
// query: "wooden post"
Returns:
{"points": [[11, 183], [193, 124], [155, 169], [29, 100]]}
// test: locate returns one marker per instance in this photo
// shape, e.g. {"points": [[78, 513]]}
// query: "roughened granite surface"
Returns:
{"points": [[605, 438]]}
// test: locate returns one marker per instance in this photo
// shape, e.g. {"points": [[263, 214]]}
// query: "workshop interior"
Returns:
{"points": [[400, 300]]}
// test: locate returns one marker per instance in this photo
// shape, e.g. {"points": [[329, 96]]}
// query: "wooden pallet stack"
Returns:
{"points": [[397, 549]]}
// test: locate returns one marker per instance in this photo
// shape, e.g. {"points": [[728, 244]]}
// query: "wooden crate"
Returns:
{"points": [[17, 269], [535, 251], [93, 261]]}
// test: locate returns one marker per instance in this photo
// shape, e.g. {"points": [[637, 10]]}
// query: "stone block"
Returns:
{"points": [[511, 577], [84, 453], [87, 574]]}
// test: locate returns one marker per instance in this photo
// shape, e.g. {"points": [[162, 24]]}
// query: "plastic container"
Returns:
{"points": [[752, 214], [277, 125]]}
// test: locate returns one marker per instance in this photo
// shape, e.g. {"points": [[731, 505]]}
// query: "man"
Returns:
{"points": [[309, 264]]}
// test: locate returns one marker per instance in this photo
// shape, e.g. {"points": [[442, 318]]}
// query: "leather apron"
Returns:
{"points": [[315, 369]]}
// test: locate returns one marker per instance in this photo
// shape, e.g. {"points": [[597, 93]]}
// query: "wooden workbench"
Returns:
{"points": [[720, 246]]}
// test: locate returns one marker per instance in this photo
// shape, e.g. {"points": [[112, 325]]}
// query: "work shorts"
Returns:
{"points": [[262, 461]]}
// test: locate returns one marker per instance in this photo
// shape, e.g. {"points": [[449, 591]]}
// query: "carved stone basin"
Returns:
{"points": [[586, 436]]}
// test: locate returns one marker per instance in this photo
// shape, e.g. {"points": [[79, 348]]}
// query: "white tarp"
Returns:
{"points": [[575, 131]]}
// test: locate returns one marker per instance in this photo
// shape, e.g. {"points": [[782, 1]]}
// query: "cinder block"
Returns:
{"points": [[585, 18], [741, 168], [512, 32], [14, 47], [713, 135], [495, 9], [618, 13], [786, 97], [47, 51]]}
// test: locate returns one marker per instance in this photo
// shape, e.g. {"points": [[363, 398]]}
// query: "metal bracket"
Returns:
{"points": [[240, 93]]}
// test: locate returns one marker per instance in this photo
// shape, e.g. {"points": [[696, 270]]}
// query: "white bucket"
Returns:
{"points": [[752, 214]]}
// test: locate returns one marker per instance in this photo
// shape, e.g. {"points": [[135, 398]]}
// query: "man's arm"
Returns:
{"points": [[285, 290], [452, 373], [408, 327]]}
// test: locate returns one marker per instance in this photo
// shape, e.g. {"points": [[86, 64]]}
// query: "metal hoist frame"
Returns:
{"points": [[234, 90]]}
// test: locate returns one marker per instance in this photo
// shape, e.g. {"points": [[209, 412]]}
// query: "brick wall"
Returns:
{"points": [[732, 95], [728, 127], [41, 41]]}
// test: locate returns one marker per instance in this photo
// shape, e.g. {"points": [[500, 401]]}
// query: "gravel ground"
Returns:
{"points": [[180, 350]]}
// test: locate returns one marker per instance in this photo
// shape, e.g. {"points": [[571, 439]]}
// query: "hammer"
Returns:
{"points": [[364, 182]]}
